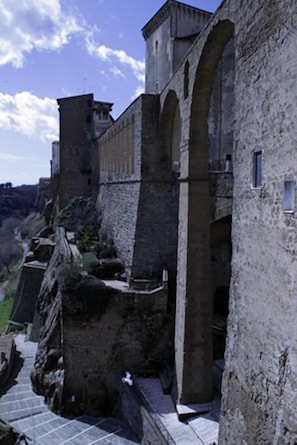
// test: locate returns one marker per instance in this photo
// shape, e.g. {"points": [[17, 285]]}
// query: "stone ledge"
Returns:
{"points": [[191, 410]]}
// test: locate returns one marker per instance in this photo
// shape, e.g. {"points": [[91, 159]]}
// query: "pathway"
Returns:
{"points": [[200, 430], [26, 412]]}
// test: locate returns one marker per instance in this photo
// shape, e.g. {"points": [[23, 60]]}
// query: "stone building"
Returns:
{"points": [[199, 174], [147, 179], [82, 121]]}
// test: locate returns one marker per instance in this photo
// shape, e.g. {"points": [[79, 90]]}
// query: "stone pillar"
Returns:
{"points": [[193, 332]]}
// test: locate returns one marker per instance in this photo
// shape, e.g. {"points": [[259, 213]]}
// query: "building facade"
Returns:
{"points": [[199, 174]]}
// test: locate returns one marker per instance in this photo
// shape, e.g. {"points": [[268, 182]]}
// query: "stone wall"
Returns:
{"points": [[259, 387], [137, 204], [27, 292], [119, 185], [131, 333]]}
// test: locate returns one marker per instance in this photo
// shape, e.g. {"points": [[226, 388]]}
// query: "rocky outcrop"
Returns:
{"points": [[92, 332], [47, 376]]}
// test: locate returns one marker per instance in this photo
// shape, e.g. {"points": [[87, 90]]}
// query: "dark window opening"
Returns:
{"points": [[186, 80], [257, 169], [289, 197]]}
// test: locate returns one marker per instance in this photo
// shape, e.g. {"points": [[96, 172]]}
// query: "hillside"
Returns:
{"points": [[16, 202]]}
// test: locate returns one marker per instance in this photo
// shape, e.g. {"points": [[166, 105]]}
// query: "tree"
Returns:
{"points": [[9, 250], [11, 224]]}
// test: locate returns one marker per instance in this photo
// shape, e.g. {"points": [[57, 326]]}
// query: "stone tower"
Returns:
{"points": [[82, 121], [168, 35]]}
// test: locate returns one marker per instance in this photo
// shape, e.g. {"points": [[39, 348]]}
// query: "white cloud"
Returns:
{"points": [[138, 92], [29, 115], [117, 72], [119, 56], [26, 25]]}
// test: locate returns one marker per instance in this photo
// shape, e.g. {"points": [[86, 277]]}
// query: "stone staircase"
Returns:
{"points": [[26, 412]]}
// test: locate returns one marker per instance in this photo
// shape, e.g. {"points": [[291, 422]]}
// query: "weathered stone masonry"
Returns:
{"points": [[164, 197], [137, 202]]}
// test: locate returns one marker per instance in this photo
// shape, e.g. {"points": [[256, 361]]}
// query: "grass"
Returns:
{"points": [[5, 310]]}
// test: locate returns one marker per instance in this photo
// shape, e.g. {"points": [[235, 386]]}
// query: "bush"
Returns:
{"points": [[90, 262], [69, 275], [108, 268], [90, 297], [106, 248], [87, 239]]}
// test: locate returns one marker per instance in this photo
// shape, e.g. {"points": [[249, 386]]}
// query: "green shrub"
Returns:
{"points": [[69, 275], [90, 262], [87, 239], [106, 248], [93, 295]]}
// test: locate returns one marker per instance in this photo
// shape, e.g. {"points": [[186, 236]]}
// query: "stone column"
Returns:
{"points": [[193, 332]]}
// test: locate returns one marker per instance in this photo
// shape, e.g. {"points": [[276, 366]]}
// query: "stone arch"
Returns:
{"points": [[215, 45], [193, 332], [170, 135]]}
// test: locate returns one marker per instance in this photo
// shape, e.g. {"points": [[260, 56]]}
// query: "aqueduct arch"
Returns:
{"points": [[193, 332]]}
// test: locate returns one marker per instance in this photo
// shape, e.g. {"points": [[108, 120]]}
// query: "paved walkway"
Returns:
{"points": [[26, 412], [200, 430]]}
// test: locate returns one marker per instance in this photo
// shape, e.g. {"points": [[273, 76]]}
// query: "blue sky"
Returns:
{"points": [[57, 48]]}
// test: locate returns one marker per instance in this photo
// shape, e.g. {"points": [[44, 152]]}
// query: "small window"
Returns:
{"points": [[88, 119], [289, 196], [257, 168], [186, 79]]}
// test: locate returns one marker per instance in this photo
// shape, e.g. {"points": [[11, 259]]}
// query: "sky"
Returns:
{"points": [[51, 49]]}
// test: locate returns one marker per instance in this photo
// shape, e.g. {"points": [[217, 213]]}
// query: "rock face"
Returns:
{"points": [[91, 333], [47, 377]]}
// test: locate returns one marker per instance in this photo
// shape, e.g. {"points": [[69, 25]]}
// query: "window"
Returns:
{"points": [[257, 168], [289, 196], [186, 79]]}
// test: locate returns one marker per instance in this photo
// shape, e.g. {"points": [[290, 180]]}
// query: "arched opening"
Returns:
{"points": [[194, 311], [170, 131], [221, 252], [170, 136]]}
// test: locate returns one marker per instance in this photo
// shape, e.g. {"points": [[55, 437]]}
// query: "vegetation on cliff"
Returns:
{"points": [[17, 202]]}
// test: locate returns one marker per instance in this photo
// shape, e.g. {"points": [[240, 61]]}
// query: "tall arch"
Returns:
{"points": [[170, 134], [193, 333]]}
